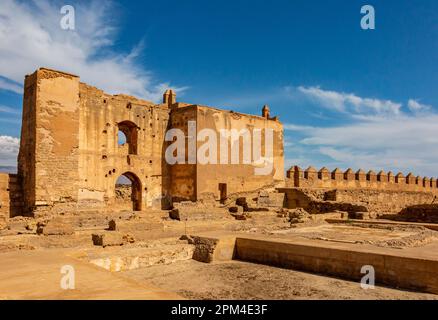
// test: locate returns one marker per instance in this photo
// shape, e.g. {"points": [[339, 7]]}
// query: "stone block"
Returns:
{"points": [[204, 249], [194, 213], [111, 239], [274, 200], [54, 227]]}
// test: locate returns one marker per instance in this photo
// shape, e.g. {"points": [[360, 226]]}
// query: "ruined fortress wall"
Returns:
{"points": [[349, 180], [383, 201], [201, 181], [376, 201], [183, 176], [237, 177], [50, 132], [26, 155], [69, 152], [70, 156], [103, 160], [4, 197], [11, 201]]}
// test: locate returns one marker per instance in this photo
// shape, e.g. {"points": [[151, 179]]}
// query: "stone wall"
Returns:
{"points": [[49, 159], [183, 175], [238, 177], [375, 201], [71, 157], [420, 213], [311, 178], [11, 202], [4, 197], [383, 201], [103, 160], [200, 181]]}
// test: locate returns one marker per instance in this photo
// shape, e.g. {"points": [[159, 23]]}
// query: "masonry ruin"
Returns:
{"points": [[378, 193], [94, 185], [70, 156]]}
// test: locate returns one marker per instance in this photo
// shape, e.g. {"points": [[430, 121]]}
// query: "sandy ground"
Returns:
{"points": [[242, 280], [36, 272], [37, 275]]}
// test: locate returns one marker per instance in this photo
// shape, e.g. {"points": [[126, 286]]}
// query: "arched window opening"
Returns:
{"points": [[121, 138], [128, 192], [127, 134]]}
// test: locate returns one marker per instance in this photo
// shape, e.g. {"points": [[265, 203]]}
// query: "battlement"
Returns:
{"points": [[336, 179]]}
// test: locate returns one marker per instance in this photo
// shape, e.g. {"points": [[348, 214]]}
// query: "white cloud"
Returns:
{"points": [[349, 102], [415, 106], [31, 37], [399, 141], [9, 150], [294, 127]]}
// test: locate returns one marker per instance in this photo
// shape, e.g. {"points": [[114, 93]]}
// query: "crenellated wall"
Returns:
{"points": [[336, 179]]}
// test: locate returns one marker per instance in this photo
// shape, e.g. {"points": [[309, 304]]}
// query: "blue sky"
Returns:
{"points": [[347, 97]]}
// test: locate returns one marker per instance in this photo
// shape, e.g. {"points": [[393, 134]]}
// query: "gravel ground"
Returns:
{"points": [[242, 280]]}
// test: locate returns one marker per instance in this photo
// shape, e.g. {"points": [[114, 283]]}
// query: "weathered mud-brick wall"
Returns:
{"points": [[51, 133], [71, 155], [196, 180], [11, 201], [4, 197], [183, 175], [103, 159], [246, 175], [383, 201], [375, 201], [26, 155]]}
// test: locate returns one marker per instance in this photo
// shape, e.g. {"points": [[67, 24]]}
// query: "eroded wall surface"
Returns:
{"points": [[69, 153], [11, 202], [103, 160], [383, 201], [239, 177], [49, 151], [200, 181], [4, 197], [183, 175], [375, 201]]}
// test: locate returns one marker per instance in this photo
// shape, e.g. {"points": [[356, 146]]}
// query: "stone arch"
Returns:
{"points": [[129, 129], [129, 195]]}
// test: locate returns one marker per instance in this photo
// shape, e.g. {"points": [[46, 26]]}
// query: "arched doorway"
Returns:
{"points": [[128, 192]]}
